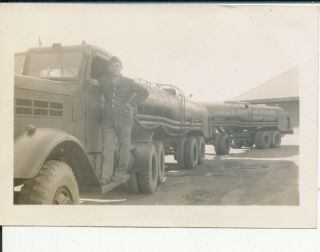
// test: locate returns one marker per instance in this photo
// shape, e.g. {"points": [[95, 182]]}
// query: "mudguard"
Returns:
{"points": [[32, 148]]}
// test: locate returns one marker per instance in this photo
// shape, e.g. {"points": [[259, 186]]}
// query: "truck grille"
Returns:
{"points": [[38, 108]]}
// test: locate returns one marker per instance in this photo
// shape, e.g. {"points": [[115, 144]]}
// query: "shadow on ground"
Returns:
{"points": [[234, 181], [282, 152]]}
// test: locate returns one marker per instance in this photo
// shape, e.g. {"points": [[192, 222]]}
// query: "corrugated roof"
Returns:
{"points": [[284, 86]]}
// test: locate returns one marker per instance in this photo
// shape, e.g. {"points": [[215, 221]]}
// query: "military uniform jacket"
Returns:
{"points": [[115, 113]]}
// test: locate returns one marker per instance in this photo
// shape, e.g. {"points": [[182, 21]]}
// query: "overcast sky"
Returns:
{"points": [[213, 52]]}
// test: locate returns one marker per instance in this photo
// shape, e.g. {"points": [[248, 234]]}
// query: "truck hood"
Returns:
{"points": [[40, 84]]}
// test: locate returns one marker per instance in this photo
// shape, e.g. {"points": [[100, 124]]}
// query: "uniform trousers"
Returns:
{"points": [[111, 138]]}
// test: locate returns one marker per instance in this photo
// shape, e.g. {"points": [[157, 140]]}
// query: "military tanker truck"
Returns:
{"points": [[58, 118], [57, 128]]}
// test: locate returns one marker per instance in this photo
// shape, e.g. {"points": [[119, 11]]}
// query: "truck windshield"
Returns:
{"points": [[55, 64]]}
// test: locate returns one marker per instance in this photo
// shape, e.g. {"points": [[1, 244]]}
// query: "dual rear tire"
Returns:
{"points": [[149, 168], [190, 152], [145, 173], [264, 139], [201, 149], [275, 139]]}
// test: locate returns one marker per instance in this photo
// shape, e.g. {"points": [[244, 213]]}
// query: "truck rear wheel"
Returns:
{"points": [[147, 163], [264, 140], [225, 143], [217, 144], [191, 153], [161, 162], [201, 149], [222, 144], [275, 139], [237, 144], [54, 185], [179, 152]]}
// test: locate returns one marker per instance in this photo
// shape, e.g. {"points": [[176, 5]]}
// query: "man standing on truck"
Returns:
{"points": [[121, 95]]}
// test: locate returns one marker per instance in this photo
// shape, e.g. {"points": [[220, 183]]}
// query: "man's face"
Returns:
{"points": [[115, 68]]}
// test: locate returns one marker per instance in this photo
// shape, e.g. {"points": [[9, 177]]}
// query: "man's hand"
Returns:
{"points": [[128, 104]]}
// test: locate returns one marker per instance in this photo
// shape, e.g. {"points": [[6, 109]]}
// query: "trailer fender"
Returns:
{"points": [[36, 145]]}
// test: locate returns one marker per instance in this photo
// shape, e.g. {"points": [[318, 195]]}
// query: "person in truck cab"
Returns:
{"points": [[121, 95]]}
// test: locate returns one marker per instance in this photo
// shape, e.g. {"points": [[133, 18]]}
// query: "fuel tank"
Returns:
{"points": [[228, 111], [266, 113], [167, 107], [244, 112]]}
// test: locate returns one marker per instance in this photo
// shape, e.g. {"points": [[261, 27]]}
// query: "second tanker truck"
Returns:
{"points": [[57, 125]]}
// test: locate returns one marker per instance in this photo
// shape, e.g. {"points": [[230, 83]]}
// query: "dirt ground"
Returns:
{"points": [[244, 177]]}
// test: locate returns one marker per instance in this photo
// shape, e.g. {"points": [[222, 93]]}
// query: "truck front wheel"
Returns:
{"points": [[54, 185]]}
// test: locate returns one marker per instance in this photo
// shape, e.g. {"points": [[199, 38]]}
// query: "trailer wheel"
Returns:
{"points": [[133, 183], [275, 139], [180, 144], [54, 185], [191, 153], [222, 144], [225, 143], [237, 144], [201, 149], [161, 161], [147, 163], [264, 140], [216, 144]]}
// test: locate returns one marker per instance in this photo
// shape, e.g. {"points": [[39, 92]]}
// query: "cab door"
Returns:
{"points": [[94, 103]]}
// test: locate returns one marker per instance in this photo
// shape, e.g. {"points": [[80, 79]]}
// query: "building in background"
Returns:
{"points": [[18, 62], [281, 90]]}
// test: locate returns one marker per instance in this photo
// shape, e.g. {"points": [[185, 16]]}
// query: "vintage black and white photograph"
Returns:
{"points": [[162, 105]]}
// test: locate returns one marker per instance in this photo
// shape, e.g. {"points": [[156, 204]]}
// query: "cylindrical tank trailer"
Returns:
{"points": [[174, 125], [183, 127]]}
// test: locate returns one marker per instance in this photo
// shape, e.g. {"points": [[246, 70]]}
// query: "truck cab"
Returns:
{"points": [[57, 123]]}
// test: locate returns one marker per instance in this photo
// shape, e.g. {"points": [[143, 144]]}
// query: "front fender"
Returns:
{"points": [[31, 150]]}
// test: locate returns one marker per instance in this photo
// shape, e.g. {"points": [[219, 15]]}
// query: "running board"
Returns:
{"points": [[108, 187]]}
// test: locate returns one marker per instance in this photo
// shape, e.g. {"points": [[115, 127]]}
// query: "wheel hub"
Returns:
{"points": [[62, 197]]}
